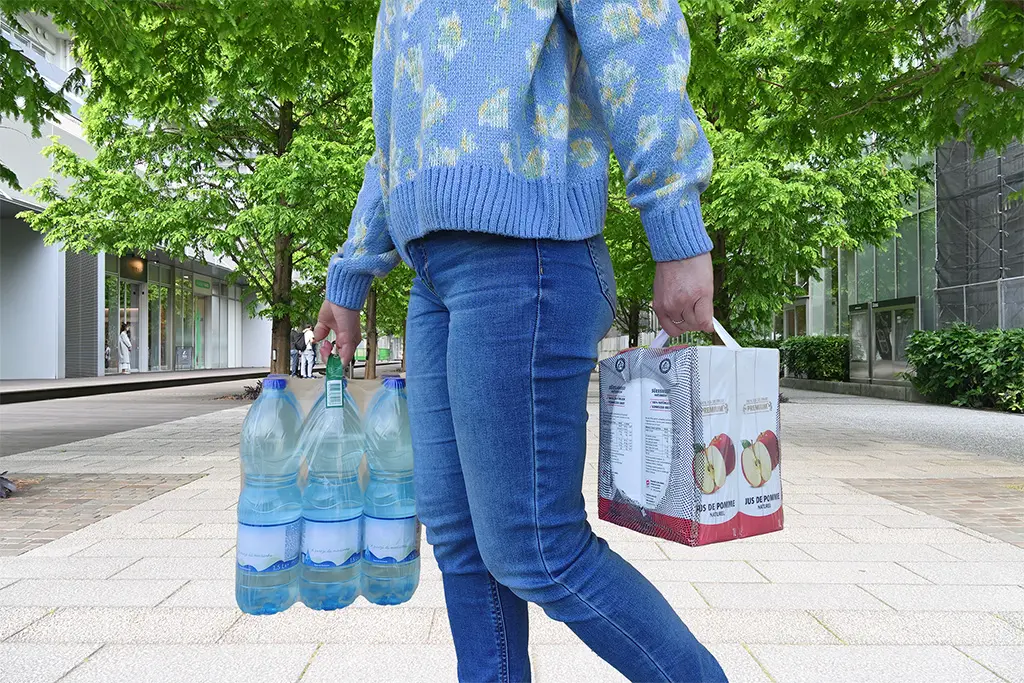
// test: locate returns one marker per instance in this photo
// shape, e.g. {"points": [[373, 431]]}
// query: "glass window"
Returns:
{"points": [[159, 327], [866, 275], [885, 272], [184, 324], [847, 288], [908, 273], [111, 307], [927, 262]]}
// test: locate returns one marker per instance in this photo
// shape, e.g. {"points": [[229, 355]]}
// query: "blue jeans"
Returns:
{"points": [[294, 362], [503, 336]]}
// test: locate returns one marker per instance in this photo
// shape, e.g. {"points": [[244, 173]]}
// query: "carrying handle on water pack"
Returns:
{"points": [[662, 337]]}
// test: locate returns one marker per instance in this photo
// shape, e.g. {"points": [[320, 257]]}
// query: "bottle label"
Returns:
{"points": [[268, 548], [389, 541], [331, 544], [335, 393]]}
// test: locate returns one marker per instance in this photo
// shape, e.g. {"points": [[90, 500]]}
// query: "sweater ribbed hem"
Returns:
{"points": [[677, 234], [475, 198], [347, 289]]}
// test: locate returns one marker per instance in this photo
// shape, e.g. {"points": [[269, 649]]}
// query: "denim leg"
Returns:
{"points": [[525, 317], [488, 622]]}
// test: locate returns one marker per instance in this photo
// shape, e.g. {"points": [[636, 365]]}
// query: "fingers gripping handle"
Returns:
{"points": [[662, 337]]}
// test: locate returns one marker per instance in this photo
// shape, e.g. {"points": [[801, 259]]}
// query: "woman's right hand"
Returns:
{"points": [[346, 326]]}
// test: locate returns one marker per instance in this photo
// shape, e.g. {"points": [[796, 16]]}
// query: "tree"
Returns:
{"points": [[631, 257], [393, 304], [228, 127]]}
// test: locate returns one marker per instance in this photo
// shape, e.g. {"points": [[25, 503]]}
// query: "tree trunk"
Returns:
{"points": [[720, 269], [633, 326], [371, 336], [404, 346], [283, 253]]}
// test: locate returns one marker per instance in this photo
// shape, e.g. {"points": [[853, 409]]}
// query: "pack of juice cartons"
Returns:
{"points": [[689, 444]]}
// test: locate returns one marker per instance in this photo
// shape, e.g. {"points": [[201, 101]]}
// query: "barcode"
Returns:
{"points": [[335, 393]]}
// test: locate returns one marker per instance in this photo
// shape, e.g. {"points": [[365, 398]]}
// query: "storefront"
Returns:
{"points": [[179, 317]]}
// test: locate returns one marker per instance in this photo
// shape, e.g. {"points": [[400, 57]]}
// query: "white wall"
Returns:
{"points": [[255, 341], [31, 304]]}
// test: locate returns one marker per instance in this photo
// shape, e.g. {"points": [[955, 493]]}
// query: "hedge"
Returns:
{"points": [[817, 357], [962, 366]]}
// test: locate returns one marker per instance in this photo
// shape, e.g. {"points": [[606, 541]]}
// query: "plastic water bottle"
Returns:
{"points": [[332, 502], [270, 505], [391, 559]]}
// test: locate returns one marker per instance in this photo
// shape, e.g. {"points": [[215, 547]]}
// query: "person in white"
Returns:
{"points": [[124, 350], [307, 354]]}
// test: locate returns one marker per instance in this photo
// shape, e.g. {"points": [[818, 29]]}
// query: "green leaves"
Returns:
{"points": [[817, 357], [963, 366]]}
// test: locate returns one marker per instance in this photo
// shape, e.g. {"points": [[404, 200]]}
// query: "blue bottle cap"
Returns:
{"points": [[394, 382], [275, 382]]}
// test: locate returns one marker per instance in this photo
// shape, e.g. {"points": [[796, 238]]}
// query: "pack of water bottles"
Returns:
{"points": [[336, 535]]}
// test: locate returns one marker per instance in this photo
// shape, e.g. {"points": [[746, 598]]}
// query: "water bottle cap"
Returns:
{"points": [[394, 382], [275, 382]]}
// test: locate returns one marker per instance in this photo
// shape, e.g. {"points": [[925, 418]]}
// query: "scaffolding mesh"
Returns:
{"points": [[979, 234]]}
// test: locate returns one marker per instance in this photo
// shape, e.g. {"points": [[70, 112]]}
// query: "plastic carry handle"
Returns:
{"points": [[662, 337]]}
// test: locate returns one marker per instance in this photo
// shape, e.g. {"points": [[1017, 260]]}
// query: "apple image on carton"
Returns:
{"points": [[757, 463], [713, 464], [771, 442]]}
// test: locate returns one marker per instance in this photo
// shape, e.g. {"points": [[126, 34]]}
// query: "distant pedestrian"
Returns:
{"points": [[308, 352], [124, 350], [298, 342]]}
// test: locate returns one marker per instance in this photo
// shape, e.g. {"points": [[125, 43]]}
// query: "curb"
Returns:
{"points": [[893, 392], [153, 381]]}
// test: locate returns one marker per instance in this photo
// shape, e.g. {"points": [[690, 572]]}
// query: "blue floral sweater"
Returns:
{"points": [[497, 116]]}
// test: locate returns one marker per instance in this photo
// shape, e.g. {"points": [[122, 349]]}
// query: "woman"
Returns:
{"points": [[124, 350], [492, 124]]}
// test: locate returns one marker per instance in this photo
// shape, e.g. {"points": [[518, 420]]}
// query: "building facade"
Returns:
{"points": [[958, 257], [60, 312]]}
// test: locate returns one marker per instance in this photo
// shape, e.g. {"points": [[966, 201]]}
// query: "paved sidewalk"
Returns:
{"points": [[878, 576]]}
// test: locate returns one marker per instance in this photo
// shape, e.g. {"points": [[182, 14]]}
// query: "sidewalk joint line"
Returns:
{"points": [[173, 592], [220, 638], [899, 563], [982, 665], [31, 623], [694, 586], [757, 571], [189, 531], [944, 552], [84, 660], [1000, 617], [134, 562], [860, 586], [758, 662], [316, 650], [827, 628]]}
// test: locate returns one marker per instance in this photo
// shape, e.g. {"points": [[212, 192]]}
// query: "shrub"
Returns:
{"points": [[962, 366], [817, 357]]}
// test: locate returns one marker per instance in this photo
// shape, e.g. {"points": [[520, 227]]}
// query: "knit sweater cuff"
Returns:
{"points": [[346, 288], [677, 234]]}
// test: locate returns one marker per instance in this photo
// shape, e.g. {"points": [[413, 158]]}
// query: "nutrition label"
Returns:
{"points": [[640, 443]]}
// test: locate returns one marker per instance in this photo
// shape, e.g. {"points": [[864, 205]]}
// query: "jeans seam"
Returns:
{"points": [[499, 630], [533, 444], [601, 275]]}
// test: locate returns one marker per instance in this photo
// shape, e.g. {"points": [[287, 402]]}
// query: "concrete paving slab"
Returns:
{"points": [[991, 552], [31, 567], [571, 664], [1006, 661], [163, 548], [725, 571], [368, 625], [129, 625], [970, 573], [756, 626], [203, 593], [223, 531], [32, 663], [87, 593], [182, 663], [950, 598], [222, 568], [809, 596], [920, 628], [872, 552], [835, 572], [407, 663], [737, 662], [16, 618], [734, 551], [874, 663]]}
